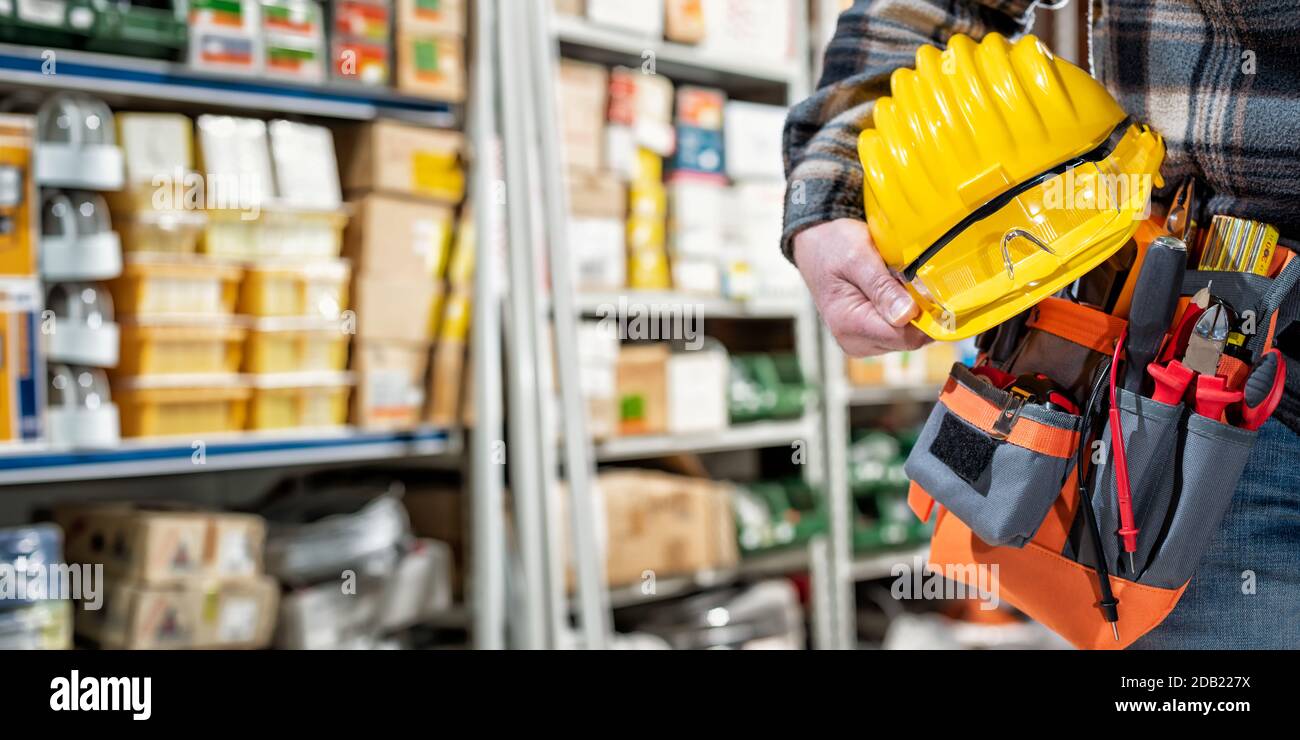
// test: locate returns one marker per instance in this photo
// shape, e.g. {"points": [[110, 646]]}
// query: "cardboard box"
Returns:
{"points": [[448, 395], [698, 384], [700, 153], [598, 350], [583, 90], [597, 248], [596, 194], [642, 378], [684, 21], [191, 614], [397, 309], [162, 546], [398, 237], [643, 17], [569, 7], [431, 67], [753, 135], [425, 17], [460, 267], [17, 197], [403, 159], [390, 386], [665, 525]]}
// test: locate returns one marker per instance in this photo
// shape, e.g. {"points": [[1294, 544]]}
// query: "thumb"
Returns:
{"points": [[870, 274]]}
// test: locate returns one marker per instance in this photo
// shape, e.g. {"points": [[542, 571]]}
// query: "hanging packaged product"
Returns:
{"points": [[83, 331], [306, 171], [235, 155], [22, 364], [1002, 210], [431, 67], [17, 197], [76, 144], [225, 36], [155, 28], [293, 32], [81, 413], [77, 240]]}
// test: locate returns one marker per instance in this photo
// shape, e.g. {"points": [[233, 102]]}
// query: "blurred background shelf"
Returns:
{"points": [[884, 395], [580, 39], [756, 435], [25, 465], [597, 305], [867, 566], [122, 79]]}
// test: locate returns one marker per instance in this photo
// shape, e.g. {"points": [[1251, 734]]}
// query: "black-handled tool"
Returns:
{"points": [[1155, 298]]}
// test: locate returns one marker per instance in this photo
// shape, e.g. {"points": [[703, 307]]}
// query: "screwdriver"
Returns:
{"points": [[1155, 298]]}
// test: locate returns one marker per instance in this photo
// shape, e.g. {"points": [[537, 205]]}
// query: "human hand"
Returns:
{"points": [[866, 308]]}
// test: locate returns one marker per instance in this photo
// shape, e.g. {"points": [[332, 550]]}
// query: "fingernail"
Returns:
{"points": [[902, 309]]}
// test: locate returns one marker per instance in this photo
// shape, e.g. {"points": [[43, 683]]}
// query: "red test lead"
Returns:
{"points": [[1128, 530]]}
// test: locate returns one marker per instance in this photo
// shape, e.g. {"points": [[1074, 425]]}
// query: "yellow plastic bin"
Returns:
{"points": [[292, 345], [180, 346], [165, 232], [274, 231], [299, 401], [175, 285], [164, 406], [315, 289]]}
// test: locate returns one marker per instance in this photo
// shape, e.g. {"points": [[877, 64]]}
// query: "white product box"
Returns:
{"points": [[755, 30], [697, 276], [642, 17], [752, 135], [697, 390], [598, 250]]}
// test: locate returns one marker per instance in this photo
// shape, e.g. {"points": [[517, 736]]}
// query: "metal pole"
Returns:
{"points": [[835, 435], [550, 502], [579, 462], [524, 433], [488, 590]]}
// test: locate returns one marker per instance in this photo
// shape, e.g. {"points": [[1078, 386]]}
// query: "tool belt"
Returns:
{"points": [[1002, 480]]}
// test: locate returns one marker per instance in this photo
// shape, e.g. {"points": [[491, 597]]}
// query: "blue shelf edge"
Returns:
{"points": [[182, 451], [176, 76]]}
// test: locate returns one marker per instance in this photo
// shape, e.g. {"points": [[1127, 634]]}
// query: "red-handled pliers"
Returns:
{"points": [[1263, 390]]}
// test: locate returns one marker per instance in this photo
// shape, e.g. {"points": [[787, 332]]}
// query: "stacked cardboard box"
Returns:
{"points": [[431, 48], [662, 525], [664, 392], [173, 579], [404, 183]]}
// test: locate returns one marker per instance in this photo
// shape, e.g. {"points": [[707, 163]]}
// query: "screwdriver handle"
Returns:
{"points": [[1128, 530], [1171, 380], [1213, 397]]}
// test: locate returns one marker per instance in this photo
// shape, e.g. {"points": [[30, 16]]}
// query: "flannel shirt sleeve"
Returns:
{"points": [[872, 39]]}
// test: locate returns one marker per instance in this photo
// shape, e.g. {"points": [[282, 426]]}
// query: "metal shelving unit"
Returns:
{"points": [[756, 435], [31, 464], [887, 395], [130, 79]]}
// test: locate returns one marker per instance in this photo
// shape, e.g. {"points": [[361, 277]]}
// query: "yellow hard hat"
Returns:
{"points": [[995, 175]]}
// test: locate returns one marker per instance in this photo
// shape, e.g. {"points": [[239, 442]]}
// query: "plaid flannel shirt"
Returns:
{"points": [[1219, 79]]}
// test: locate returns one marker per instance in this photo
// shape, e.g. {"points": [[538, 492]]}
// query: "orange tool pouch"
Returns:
{"points": [[1001, 480]]}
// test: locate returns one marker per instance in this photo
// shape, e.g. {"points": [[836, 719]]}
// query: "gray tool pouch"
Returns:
{"points": [[1000, 489]]}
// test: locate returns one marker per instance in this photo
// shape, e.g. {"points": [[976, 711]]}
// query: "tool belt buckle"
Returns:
{"points": [[1007, 416]]}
